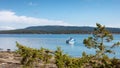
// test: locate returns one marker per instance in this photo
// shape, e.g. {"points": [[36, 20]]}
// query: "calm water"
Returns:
{"points": [[52, 41]]}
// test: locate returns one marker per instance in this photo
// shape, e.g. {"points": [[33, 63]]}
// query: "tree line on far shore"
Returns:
{"points": [[57, 30]]}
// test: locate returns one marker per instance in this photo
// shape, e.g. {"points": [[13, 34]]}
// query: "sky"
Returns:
{"points": [[16, 14]]}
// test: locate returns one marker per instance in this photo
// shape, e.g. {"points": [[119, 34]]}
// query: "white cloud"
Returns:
{"points": [[6, 28], [10, 19]]}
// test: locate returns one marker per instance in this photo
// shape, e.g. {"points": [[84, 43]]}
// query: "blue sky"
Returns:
{"points": [[23, 13]]}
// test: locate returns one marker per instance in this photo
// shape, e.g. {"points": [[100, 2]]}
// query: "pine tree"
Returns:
{"points": [[99, 37]]}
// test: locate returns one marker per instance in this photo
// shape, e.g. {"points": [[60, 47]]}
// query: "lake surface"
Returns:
{"points": [[52, 41]]}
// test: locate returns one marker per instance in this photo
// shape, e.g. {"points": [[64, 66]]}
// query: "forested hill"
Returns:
{"points": [[56, 30]]}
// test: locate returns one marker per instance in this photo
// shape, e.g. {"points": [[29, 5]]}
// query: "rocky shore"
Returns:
{"points": [[12, 60], [9, 60]]}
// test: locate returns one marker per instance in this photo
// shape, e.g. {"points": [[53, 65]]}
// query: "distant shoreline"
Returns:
{"points": [[57, 30]]}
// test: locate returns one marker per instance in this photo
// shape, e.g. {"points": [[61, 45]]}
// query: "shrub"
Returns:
{"points": [[31, 56]]}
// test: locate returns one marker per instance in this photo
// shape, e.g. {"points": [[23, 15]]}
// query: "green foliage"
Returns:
{"points": [[115, 63], [97, 41], [59, 57], [31, 56], [65, 61], [45, 55]]}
